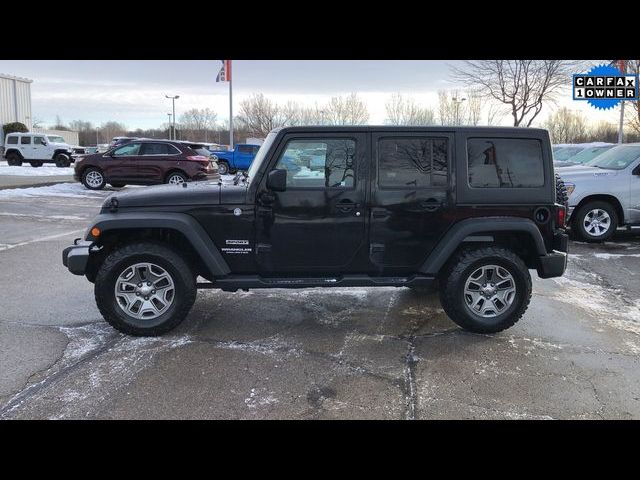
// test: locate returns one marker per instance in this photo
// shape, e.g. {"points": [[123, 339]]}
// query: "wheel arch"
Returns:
{"points": [[601, 197], [178, 230], [13, 150], [519, 234]]}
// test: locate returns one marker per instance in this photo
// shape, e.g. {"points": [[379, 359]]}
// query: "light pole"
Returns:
{"points": [[173, 101], [457, 103], [169, 115], [97, 138]]}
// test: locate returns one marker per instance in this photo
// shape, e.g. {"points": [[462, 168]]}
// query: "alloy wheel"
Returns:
{"points": [[144, 291], [489, 291]]}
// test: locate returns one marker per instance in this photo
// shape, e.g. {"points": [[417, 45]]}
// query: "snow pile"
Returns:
{"points": [[76, 190], [47, 170]]}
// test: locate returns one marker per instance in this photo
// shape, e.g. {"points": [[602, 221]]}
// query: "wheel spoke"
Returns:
{"points": [[144, 291], [489, 290]]}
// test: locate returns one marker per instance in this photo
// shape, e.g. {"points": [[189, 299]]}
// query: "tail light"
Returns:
{"points": [[198, 158], [561, 218]]}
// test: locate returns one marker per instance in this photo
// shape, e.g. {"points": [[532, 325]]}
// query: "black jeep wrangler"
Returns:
{"points": [[467, 210]]}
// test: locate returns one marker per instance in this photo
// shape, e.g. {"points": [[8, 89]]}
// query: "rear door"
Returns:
{"points": [[155, 160], [410, 197], [24, 145]]}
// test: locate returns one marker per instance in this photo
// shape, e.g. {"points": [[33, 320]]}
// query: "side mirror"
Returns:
{"points": [[43, 142], [277, 180]]}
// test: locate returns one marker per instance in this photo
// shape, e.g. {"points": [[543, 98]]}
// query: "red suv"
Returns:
{"points": [[146, 162]]}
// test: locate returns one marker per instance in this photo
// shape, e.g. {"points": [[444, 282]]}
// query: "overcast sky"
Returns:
{"points": [[133, 92]]}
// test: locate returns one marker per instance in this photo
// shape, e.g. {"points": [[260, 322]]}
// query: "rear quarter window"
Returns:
{"points": [[505, 163]]}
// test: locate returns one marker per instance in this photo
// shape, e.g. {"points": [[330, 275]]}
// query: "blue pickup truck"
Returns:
{"points": [[240, 158]]}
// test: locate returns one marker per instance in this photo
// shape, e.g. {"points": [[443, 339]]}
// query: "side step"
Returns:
{"points": [[233, 283]]}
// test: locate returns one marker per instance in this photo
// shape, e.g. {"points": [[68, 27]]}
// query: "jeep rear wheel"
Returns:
{"points": [[14, 160], [485, 290], [595, 221], [93, 179], [145, 289]]}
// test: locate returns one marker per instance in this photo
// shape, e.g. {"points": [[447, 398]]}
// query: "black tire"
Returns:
{"points": [[175, 175], [562, 196], [458, 270], [14, 160], [36, 164], [93, 186], [118, 261], [223, 168], [62, 160], [579, 217]]}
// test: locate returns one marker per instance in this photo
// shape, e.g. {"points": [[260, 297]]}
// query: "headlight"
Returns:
{"points": [[570, 188]]}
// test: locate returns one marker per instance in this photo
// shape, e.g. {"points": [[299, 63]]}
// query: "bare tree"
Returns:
{"points": [[59, 125], [112, 129], [452, 109], [633, 113], [195, 123], [36, 122], [259, 115], [474, 106], [566, 126], [523, 85], [347, 110], [401, 111], [603, 132]]}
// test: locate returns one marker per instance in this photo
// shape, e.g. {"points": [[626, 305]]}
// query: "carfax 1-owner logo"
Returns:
{"points": [[605, 86]]}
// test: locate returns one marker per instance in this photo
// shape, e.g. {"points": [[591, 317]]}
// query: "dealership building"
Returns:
{"points": [[15, 100]]}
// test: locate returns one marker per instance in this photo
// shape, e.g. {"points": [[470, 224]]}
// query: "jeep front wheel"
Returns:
{"points": [[93, 179], [62, 160], [596, 221], [145, 289], [485, 290]]}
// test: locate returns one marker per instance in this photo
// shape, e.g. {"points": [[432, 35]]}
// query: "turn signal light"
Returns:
{"points": [[95, 232]]}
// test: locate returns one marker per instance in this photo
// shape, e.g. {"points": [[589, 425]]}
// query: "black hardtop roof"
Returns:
{"points": [[403, 128]]}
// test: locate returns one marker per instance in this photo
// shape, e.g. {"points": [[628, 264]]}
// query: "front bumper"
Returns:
{"points": [[554, 264], [76, 257]]}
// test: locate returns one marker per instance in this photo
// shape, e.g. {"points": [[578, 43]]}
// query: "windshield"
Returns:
{"points": [[617, 158], [589, 154], [55, 139], [266, 146], [565, 153]]}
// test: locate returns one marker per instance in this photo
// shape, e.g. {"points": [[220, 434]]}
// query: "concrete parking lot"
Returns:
{"points": [[345, 353]]}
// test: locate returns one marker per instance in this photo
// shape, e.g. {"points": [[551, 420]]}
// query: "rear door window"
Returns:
{"points": [[25, 140], [412, 162], [158, 149], [505, 163]]}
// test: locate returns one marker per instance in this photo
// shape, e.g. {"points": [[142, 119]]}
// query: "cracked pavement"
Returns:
{"points": [[334, 353]]}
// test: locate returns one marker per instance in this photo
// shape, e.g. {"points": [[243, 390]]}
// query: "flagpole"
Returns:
{"points": [[230, 75], [622, 67]]}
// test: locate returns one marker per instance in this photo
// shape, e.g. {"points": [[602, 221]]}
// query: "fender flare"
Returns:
{"points": [[183, 223], [458, 234]]}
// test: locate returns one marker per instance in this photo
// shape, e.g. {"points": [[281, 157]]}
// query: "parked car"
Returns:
{"points": [[604, 194], [36, 149], [240, 158], [146, 162], [583, 157], [393, 206], [117, 141]]}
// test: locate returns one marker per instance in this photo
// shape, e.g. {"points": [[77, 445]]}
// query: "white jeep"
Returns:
{"points": [[37, 148]]}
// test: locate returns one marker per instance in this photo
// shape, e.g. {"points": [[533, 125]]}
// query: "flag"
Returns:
{"points": [[224, 75]]}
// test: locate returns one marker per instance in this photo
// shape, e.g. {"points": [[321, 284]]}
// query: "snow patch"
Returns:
{"points": [[605, 304], [47, 170], [256, 399], [74, 190]]}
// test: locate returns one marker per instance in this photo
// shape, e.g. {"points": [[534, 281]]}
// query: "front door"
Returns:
{"points": [[40, 151], [318, 225], [410, 203], [122, 165]]}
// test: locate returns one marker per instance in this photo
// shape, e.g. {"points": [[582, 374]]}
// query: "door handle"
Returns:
{"points": [[430, 205], [346, 206]]}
